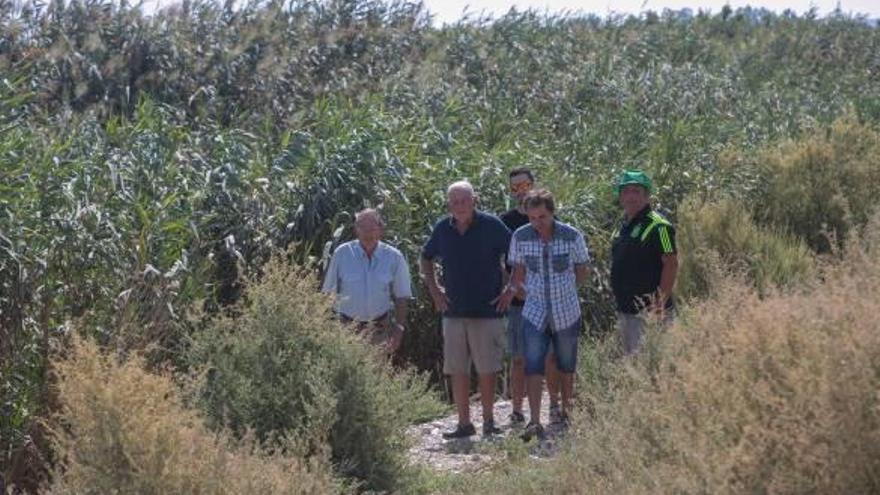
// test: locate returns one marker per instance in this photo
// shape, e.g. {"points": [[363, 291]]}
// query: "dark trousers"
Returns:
{"points": [[377, 330]]}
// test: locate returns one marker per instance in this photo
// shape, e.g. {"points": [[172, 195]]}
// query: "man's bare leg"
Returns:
{"points": [[487, 395], [552, 375], [517, 383], [534, 385], [461, 385], [567, 385]]}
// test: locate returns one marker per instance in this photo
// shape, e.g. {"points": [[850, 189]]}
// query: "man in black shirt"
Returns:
{"points": [[644, 263], [521, 182]]}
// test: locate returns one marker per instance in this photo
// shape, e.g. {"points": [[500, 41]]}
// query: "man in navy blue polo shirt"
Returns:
{"points": [[470, 246]]}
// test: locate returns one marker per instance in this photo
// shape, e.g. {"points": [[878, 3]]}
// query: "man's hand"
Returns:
{"points": [[657, 306], [502, 302], [396, 338], [514, 288], [656, 311], [441, 301]]}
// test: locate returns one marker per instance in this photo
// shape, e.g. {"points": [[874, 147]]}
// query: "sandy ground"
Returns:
{"points": [[467, 454]]}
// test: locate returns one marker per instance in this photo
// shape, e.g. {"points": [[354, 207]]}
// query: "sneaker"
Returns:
{"points": [[533, 430], [563, 420], [461, 431], [517, 418], [489, 428], [555, 414]]}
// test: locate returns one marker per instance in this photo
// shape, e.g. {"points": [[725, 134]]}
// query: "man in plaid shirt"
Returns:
{"points": [[550, 260]]}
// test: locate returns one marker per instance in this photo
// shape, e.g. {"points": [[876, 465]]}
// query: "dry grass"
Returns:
{"points": [[824, 184], [721, 235], [771, 395], [744, 394], [123, 430]]}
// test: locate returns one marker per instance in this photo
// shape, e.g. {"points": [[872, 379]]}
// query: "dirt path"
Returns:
{"points": [[468, 454]]}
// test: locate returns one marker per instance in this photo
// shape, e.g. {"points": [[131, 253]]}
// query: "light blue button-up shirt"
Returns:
{"points": [[366, 287]]}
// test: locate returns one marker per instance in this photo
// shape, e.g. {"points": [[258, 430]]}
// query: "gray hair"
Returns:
{"points": [[462, 185], [369, 213]]}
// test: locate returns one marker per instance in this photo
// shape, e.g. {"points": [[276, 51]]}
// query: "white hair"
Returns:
{"points": [[369, 213], [461, 185]]}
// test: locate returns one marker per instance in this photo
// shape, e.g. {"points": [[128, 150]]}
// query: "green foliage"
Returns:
{"points": [[149, 164], [722, 236], [824, 185], [283, 367]]}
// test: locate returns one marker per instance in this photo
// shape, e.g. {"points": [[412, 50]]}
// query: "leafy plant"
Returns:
{"points": [[286, 369]]}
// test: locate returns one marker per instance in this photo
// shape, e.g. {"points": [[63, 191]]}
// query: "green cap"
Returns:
{"points": [[633, 177]]}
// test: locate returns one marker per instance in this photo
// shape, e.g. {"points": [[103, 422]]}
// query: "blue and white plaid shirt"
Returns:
{"points": [[551, 289]]}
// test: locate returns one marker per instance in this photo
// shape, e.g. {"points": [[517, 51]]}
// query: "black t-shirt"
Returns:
{"points": [[636, 264], [514, 219]]}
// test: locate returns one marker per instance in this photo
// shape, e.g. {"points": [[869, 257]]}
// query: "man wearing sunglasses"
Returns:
{"points": [[521, 181]]}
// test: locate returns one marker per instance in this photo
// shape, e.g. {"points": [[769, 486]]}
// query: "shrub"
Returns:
{"points": [[123, 430], [154, 158], [723, 234], [744, 394], [285, 368], [822, 186]]}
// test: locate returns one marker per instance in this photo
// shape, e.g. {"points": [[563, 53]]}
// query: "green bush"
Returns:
{"points": [[146, 162], [821, 186], [123, 430], [285, 369], [723, 236]]}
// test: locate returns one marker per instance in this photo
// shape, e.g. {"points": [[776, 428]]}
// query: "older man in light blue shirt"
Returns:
{"points": [[369, 279]]}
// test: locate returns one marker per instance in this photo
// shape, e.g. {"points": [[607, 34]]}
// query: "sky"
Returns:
{"points": [[451, 10]]}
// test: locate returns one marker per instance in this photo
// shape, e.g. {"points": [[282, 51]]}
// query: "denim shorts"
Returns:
{"points": [[537, 342], [516, 345]]}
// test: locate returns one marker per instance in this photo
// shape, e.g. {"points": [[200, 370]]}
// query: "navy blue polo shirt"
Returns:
{"points": [[471, 263]]}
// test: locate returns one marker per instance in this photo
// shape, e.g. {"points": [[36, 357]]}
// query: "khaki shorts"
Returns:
{"points": [[480, 339]]}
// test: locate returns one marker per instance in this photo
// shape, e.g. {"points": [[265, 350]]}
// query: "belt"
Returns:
{"points": [[348, 319]]}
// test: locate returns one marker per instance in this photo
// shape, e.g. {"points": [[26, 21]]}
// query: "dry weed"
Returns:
{"points": [[123, 430]]}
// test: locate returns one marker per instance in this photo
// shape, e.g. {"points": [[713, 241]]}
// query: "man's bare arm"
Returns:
{"points": [[667, 277], [513, 287], [438, 294], [581, 273], [401, 306]]}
